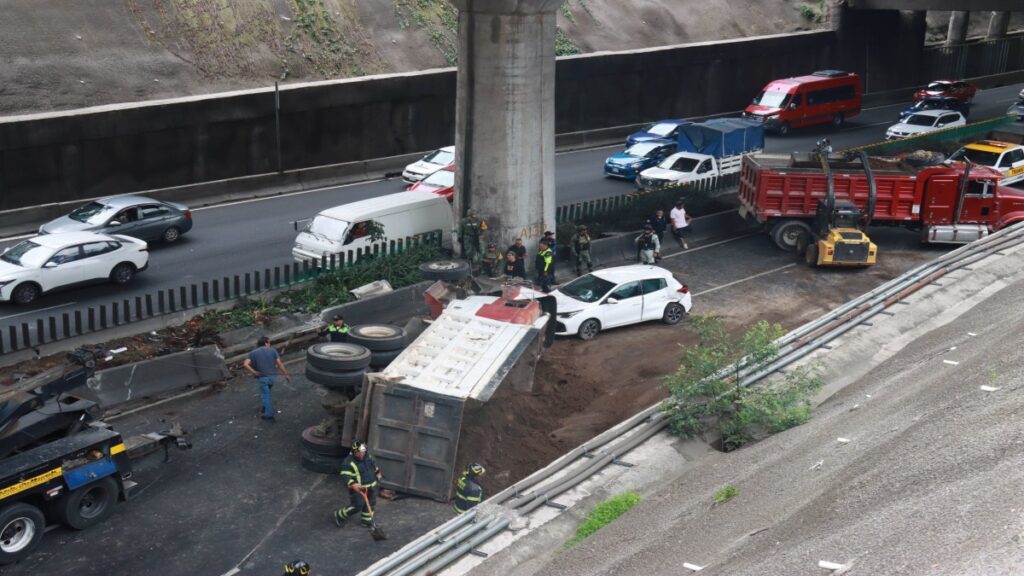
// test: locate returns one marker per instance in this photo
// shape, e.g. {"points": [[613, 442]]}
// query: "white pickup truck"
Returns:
{"points": [[684, 167]]}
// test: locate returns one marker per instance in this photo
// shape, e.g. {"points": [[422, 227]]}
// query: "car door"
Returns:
{"points": [[64, 268], [655, 297], [623, 305], [1012, 162], [127, 222], [153, 220]]}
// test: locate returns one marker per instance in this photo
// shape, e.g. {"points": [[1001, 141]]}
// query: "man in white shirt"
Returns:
{"points": [[680, 223]]}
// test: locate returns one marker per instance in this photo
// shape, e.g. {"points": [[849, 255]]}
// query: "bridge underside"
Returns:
{"points": [[974, 5]]}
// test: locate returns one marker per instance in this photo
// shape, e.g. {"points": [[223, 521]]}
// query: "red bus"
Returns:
{"points": [[826, 96]]}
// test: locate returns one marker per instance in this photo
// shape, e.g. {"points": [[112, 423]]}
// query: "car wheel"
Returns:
{"points": [[589, 329], [88, 505], [444, 270], [338, 356], [783, 129], [122, 273], [21, 530], [171, 235], [837, 120], [377, 337], [674, 312], [26, 293]]}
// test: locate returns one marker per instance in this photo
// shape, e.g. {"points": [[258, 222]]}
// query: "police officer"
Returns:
{"points": [[647, 245], [361, 475], [468, 492], [336, 332], [543, 265], [491, 260], [471, 231], [580, 247], [296, 568]]}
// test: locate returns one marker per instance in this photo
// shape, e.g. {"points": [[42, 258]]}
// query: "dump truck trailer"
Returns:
{"points": [[955, 203]]}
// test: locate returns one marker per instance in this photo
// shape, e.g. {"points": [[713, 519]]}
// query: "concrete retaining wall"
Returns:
{"points": [[156, 377]]}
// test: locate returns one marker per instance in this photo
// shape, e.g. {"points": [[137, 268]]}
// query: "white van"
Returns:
{"points": [[345, 228]]}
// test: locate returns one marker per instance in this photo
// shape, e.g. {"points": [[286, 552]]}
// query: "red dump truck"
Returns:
{"points": [[956, 203]]}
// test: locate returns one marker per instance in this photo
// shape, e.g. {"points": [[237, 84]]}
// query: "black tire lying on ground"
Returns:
{"points": [[342, 379], [313, 444], [321, 463], [380, 360], [444, 270], [378, 337], [337, 356]]}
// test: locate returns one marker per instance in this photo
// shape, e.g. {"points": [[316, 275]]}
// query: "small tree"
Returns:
{"points": [[707, 392]]}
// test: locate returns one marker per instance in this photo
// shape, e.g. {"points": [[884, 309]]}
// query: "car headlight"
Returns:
{"points": [[569, 314], [636, 164], [773, 117]]}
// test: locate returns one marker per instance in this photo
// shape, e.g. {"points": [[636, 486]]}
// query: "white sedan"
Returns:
{"points": [[436, 160], [618, 297], [52, 261], [925, 121]]}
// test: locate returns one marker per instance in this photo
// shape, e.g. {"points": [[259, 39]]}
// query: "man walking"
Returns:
{"points": [[336, 332], [659, 223], [580, 247], [468, 492], [647, 245], [265, 364], [680, 223], [543, 265], [362, 477], [471, 231]]}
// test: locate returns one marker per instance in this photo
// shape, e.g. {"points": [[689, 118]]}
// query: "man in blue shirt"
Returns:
{"points": [[265, 364]]}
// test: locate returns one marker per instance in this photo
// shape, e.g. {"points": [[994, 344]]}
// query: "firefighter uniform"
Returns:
{"points": [[468, 492], [360, 472]]}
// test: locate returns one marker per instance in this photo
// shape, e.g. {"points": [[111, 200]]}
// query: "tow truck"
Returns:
{"points": [[58, 462]]}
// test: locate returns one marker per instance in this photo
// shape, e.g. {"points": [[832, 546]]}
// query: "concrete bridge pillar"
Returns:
{"points": [[958, 21], [505, 117], [998, 24]]}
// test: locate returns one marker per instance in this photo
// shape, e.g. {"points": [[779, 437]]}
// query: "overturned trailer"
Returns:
{"points": [[416, 406]]}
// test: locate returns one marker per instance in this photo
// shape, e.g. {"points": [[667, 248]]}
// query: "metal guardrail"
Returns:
{"points": [[457, 537], [96, 319], [916, 142]]}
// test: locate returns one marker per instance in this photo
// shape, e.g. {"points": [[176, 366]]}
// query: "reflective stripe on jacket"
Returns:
{"points": [[358, 471], [467, 494]]}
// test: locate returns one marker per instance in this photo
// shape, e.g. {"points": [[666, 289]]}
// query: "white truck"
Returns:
{"points": [[707, 149]]}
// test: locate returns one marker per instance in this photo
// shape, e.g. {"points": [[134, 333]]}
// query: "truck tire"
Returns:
{"points": [[787, 233], [21, 531], [378, 337], [337, 356], [811, 255], [382, 359], [334, 380], [444, 270], [88, 505], [320, 463], [314, 444], [837, 120]]}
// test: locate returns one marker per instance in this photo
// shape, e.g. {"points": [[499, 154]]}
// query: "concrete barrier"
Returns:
{"points": [[156, 377], [391, 308]]}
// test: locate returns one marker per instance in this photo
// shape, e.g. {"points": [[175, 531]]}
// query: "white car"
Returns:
{"points": [[52, 261], [618, 297], [925, 121], [436, 160]]}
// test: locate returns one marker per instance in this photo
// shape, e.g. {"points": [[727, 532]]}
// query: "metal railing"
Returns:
{"points": [[974, 59], [95, 319]]}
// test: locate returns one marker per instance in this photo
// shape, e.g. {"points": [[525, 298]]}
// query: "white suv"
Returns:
{"points": [[52, 261]]}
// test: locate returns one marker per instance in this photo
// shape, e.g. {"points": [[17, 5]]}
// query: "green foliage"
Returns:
{"points": [[438, 18], [603, 514], [328, 289], [813, 13], [564, 45], [726, 494], [332, 45], [706, 394]]}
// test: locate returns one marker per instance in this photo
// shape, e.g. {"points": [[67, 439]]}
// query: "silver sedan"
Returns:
{"points": [[129, 215]]}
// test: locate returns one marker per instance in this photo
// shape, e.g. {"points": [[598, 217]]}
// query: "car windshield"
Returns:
{"points": [[681, 164], [327, 228], [442, 157], [662, 128], [27, 254], [587, 288], [772, 99], [930, 104], [976, 156], [441, 179], [920, 120], [92, 213], [642, 149], [938, 87]]}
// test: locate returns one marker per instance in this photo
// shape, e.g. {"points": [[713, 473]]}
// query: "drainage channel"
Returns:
{"points": [[441, 547]]}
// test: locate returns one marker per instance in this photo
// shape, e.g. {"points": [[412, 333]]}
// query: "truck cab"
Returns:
{"points": [[679, 168]]}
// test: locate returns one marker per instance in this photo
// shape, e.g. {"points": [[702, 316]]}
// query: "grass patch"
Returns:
{"points": [[726, 494], [603, 514]]}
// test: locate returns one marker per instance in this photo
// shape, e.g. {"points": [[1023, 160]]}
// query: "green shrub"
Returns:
{"points": [[726, 494], [603, 514]]}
